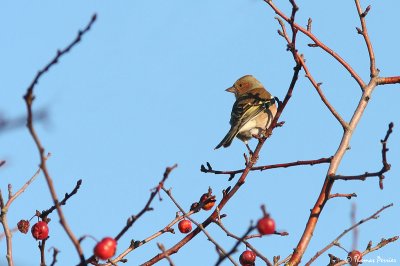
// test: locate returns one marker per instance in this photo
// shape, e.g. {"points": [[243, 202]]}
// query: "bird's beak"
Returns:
{"points": [[231, 89]]}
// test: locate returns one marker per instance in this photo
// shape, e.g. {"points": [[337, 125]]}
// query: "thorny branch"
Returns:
{"points": [[29, 98]]}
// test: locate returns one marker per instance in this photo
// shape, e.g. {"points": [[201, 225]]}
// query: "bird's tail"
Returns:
{"points": [[227, 140]]}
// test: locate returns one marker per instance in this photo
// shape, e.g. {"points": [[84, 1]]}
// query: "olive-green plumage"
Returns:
{"points": [[252, 112]]}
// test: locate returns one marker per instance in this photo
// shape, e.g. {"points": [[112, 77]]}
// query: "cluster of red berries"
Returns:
{"points": [[185, 226]]}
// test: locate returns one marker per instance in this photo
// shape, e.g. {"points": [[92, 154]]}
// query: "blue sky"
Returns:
{"points": [[145, 90]]}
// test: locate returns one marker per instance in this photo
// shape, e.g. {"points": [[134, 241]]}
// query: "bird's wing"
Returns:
{"points": [[246, 108]]}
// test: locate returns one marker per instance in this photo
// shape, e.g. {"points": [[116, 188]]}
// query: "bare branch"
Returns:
{"points": [[209, 169], [352, 72], [45, 213], [339, 195], [335, 241], [29, 98], [162, 248], [55, 253], [240, 240], [3, 215], [221, 250], [388, 80], [385, 165], [134, 218], [364, 32]]}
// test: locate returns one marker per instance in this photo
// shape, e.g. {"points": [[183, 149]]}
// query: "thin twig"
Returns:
{"points": [[240, 240], [67, 196], [364, 32], [370, 249], [147, 207], [335, 241], [200, 226], [162, 248], [55, 253], [209, 169], [29, 98], [339, 195], [134, 218], [319, 43], [241, 179], [385, 165], [3, 215]]}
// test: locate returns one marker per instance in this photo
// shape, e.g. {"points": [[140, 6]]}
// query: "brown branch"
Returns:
{"points": [[388, 80], [317, 86], [67, 196], [29, 98], [385, 165], [370, 249], [42, 246], [55, 253], [240, 240], [162, 248], [2, 162], [319, 43], [209, 169], [134, 218], [335, 241], [344, 144], [135, 244], [221, 250], [3, 215], [364, 32], [147, 207], [240, 181], [339, 195], [300, 60], [59, 54]]}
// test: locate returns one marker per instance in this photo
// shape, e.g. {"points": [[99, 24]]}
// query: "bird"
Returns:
{"points": [[252, 112]]}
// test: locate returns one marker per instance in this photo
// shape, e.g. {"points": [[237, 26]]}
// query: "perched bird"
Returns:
{"points": [[252, 112]]}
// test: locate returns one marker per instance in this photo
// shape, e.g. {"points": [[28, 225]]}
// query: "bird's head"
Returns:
{"points": [[244, 85]]}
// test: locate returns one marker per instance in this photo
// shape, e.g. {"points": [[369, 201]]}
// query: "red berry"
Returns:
{"points": [[40, 230], [106, 248], [354, 257], [248, 257], [23, 226], [185, 226], [266, 225], [208, 205]]}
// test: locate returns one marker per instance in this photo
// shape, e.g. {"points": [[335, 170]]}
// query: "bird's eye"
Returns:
{"points": [[240, 85]]}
